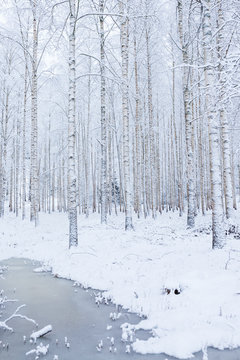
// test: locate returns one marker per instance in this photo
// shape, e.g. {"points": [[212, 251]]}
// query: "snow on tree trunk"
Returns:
{"points": [[218, 233], [24, 142], [49, 164], [1, 177], [17, 163], [87, 149], [228, 190], [125, 114], [25, 92], [72, 204], [53, 187], [34, 122], [176, 158], [150, 122], [103, 120], [137, 133], [5, 120], [188, 121]]}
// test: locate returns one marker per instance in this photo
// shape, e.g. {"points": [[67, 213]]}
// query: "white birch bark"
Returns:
{"points": [[24, 196], [44, 186], [18, 130], [158, 167], [53, 187], [87, 149], [1, 177], [110, 177], [11, 190], [176, 158], [150, 124], [49, 164], [23, 155], [226, 149], [137, 132], [72, 204], [188, 120], [5, 141], [34, 122], [125, 114], [94, 186], [63, 185], [103, 120], [3, 165], [218, 233], [79, 158]]}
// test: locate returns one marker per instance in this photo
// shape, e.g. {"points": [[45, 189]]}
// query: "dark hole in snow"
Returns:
{"points": [[175, 291]]}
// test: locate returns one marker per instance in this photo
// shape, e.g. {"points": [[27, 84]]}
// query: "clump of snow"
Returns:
{"points": [[40, 350], [114, 316], [43, 268], [99, 347], [187, 294]]}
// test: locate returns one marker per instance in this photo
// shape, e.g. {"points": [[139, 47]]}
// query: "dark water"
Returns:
{"points": [[73, 314]]}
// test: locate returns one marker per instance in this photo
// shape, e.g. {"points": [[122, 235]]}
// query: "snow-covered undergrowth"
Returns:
{"points": [[188, 294]]}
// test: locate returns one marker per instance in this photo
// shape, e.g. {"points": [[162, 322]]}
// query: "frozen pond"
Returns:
{"points": [[73, 314]]}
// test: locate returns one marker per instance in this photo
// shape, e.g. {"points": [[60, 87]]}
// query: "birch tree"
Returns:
{"points": [[188, 118], [218, 233], [72, 203], [228, 190], [124, 37], [25, 47], [34, 119], [103, 119]]}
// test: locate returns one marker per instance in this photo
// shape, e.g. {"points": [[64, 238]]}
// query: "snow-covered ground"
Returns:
{"points": [[142, 270]]}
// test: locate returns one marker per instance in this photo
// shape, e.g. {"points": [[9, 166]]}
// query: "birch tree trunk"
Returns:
{"points": [[63, 184], [1, 177], [103, 120], [11, 177], [18, 130], [53, 187], [150, 124], [218, 234], [188, 121], [72, 204], [25, 53], [137, 131], [125, 113], [5, 141], [24, 141], [87, 148], [49, 164], [94, 187], [110, 177], [228, 190], [178, 184], [34, 123]]}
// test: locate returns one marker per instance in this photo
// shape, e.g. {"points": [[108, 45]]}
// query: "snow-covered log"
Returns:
{"points": [[44, 331]]}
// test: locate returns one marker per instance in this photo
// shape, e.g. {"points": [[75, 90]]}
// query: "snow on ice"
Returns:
{"points": [[187, 294]]}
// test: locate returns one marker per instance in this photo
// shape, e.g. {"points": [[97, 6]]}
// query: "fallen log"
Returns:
{"points": [[44, 331]]}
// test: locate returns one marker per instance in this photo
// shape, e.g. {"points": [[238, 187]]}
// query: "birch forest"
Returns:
{"points": [[120, 106]]}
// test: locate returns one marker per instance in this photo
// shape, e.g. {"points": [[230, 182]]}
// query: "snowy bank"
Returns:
{"points": [[188, 295]]}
